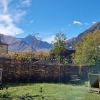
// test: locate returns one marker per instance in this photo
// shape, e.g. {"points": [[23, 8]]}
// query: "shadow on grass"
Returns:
{"points": [[7, 96], [7, 85], [81, 82], [36, 97]]}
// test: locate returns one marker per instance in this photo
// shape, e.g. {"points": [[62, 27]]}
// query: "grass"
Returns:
{"points": [[47, 91]]}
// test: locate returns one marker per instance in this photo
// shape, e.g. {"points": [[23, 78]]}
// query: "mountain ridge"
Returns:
{"points": [[94, 27], [22, 44], [32, 43]]}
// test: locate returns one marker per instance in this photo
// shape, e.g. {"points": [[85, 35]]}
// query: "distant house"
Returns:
{"points": [[66, 53], [3, 48]]}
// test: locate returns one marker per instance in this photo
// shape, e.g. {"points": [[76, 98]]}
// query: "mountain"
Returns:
{"points": [[31, 42], [23, 44], [94, 27], [15, 44], [37, 43], [70, 42]]}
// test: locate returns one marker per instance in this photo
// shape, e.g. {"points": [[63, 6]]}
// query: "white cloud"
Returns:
{"points": [[49, 39], [7, 25], [4, 4], [93, 22], [77, 22], [18, 15], [5, 19], [26, 2], [10, 16], [10, 29]]}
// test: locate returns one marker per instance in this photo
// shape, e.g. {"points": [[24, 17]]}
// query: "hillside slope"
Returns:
{"points": [[94, 27]]}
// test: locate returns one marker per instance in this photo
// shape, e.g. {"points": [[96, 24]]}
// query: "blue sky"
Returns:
{"points": [[47, 17]]}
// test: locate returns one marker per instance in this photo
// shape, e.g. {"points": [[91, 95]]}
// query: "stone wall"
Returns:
{"points": [[32, 72]]}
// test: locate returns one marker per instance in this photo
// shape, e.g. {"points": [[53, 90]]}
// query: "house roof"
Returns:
{"points": [[3, 43]]}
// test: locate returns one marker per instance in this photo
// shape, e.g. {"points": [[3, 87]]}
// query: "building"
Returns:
{"points": [[3, 48], [65, 53]]}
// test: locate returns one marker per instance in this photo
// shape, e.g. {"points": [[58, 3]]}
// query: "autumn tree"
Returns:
{"points": [[88, 52], [42, 54], [21, 56]]}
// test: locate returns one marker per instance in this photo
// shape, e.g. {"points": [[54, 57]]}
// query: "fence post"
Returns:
{"points": [[80, 72], [1, 69]]}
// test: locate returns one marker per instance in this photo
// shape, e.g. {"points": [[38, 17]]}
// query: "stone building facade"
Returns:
{"points": [[3, 48]]}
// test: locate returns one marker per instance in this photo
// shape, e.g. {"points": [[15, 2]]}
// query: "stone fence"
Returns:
{"points": [[33, 72]]}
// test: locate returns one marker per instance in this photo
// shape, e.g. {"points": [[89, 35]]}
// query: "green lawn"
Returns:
{"points": [[48, 92]]}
